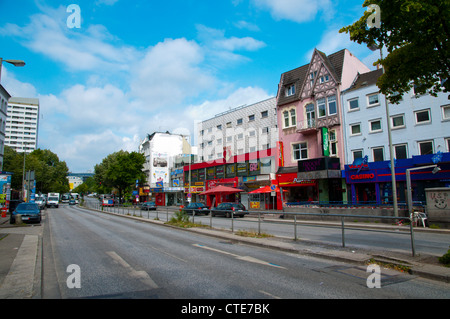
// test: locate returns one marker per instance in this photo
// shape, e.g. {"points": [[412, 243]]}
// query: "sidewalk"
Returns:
{"points": [[20, 262], [21, 251]]}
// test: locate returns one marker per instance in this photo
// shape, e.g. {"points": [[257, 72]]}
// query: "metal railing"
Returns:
{"points": [[340, 218]]}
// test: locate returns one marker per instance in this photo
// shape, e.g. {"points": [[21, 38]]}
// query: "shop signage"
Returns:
{"points": [[326, 144], [368, 176], [319, 164]]}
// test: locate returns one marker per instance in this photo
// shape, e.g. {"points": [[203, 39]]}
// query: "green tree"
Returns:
{"points": [[120, 170], [416, 36], [50, 172]]}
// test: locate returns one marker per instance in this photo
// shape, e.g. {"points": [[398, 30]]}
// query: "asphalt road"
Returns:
{"points": [[425, 242], [94, 255]]}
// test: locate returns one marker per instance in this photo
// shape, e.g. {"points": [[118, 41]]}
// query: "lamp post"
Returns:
{"points": [[391, 148], [408, 182], [18, 63]]}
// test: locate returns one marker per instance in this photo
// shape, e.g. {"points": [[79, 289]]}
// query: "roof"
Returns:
{"points": [[365, 79], [24, 100], [334, 62]]}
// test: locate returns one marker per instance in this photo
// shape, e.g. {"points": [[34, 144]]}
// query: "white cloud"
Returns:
{"points": [[169, 73], [162, 85], [296, 10], [82, 49], [221, 50]]}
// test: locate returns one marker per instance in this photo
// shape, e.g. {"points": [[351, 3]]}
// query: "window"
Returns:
{"points": [[240, 136], [264, 114], [372, 100], [300, 151], [286, 118], [290, 90], [446, 112], [229, 138], [219, 127], [332, 109], [219, 141], [252, 133], [378, 154], [251, 117], [239, 122], [293, 117], [425, 147], [375, 126], [357, 154], [353, 104], [423, 116], [321, 107], [324, 78], [447, 142], [398, 121], [333, 143], [312, 75], [401, 151], [265, 130], [289, 118], [355, 129], [228, 124]]}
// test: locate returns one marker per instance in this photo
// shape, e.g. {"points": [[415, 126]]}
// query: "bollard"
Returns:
{"points": [[18, 219]]}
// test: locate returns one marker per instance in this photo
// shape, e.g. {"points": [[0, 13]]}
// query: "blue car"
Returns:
{"points": [[30, 213], [148, 206]]}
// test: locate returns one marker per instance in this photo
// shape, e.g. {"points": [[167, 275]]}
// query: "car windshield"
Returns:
{"points": [[27, 207]]}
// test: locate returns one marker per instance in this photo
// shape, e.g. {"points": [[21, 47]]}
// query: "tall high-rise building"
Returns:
{"points": [[22, 124], [4, 97]]}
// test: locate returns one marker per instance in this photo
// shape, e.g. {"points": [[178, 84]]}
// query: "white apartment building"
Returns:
{"points": [[22, 124], [420, 123], [161, 151], [244, 129], [4, 97]]}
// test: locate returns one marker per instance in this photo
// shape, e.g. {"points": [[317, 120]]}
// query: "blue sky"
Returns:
{"points": [[139, 66]]}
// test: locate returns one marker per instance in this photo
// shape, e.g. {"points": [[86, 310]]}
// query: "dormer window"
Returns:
{"points": [[290, 90]]}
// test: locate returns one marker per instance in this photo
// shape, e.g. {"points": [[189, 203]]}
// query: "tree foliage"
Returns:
{"points": [[50, 172], [119, 170], [416, 36]]}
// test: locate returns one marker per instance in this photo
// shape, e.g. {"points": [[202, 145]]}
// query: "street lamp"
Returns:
{"points": [[408, 182], [18, 63], [391, 148]]}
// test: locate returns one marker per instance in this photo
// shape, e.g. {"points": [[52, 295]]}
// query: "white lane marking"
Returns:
{"points": [[245, 258], [141, 275], [269, 294]]}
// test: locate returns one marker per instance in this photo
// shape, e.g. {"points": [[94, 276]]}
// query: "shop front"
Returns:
{"points": [[370, 182], [295, 190]]}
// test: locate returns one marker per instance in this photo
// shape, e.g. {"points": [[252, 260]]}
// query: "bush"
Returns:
{"points": [[445, 259]]}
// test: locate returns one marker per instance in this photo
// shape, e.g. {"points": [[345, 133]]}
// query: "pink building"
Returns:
{"points": [[310, 126]]}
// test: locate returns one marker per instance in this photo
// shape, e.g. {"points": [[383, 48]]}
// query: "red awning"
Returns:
{"points": [[265, 189], [221, 190]]}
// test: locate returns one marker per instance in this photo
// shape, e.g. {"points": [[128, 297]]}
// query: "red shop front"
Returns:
{"points": [[298, 190]]}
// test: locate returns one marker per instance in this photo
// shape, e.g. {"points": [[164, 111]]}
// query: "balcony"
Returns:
{"points": [[307, 126]]}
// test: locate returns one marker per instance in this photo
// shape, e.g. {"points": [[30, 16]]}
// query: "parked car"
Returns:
{"points": [[30, 213], [198, 208], [148, 206], [226, 208], [41, 201], [72, 201]]}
